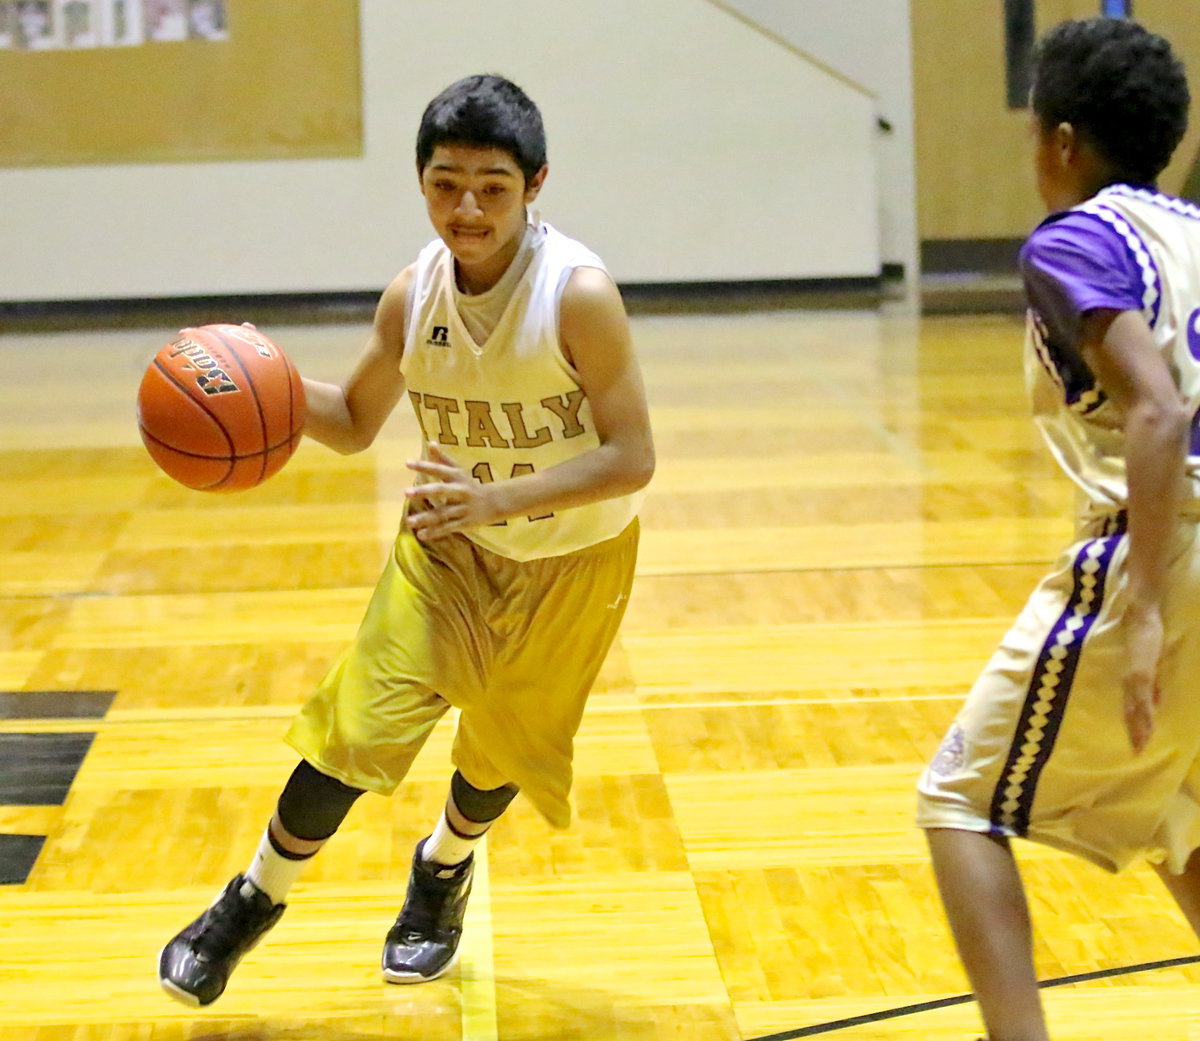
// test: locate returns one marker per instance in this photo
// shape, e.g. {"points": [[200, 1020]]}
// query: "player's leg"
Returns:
{"points": [[196, 964], [311, 808], [985, 903], [423, 943], [365, 723], [548, 625], [1179, 716], [1185, 888], [465, 819], [1041, 722]]}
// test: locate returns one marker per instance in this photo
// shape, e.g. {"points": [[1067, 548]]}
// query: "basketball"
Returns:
{"points": [[221, 408]]}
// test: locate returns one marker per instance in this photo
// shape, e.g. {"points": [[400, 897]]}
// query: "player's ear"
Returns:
{"points": [[1066, 142], [534, 184]]}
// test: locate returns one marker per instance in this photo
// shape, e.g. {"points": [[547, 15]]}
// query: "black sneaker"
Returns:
{"points": [[423, 943], [195, 966]]}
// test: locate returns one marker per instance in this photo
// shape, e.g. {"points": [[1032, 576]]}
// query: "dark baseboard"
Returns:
{"points": [[971, 276], [178, 311], [752, 295], [359, 305], [970, 256]]}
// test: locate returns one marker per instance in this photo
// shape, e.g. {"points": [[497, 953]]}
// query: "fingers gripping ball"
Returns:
{"points": [[221, 408]]}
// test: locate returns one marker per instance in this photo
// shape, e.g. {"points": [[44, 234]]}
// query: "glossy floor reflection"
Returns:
{"points": [[849, 509]]}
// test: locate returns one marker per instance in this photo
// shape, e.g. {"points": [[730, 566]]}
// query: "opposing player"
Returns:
{"points": [[1083, 732], [515, 560]]}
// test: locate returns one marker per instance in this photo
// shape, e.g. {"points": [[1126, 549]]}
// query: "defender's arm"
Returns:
{"points": [[1121, 352]]}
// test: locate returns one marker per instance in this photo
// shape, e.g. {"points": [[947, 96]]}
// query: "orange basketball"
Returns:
{"points": [[221, 408]]}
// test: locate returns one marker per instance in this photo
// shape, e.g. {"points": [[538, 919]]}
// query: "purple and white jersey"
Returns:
{"points": [[1126, 249]]}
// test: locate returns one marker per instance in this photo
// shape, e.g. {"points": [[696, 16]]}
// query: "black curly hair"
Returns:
{"points": [[487, 112], [1119, 85]]}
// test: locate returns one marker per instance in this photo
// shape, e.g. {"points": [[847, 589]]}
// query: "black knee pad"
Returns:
{"points": [[313, 805], [478, 805]]}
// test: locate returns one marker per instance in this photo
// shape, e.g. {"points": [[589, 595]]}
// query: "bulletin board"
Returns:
{"points": [[142, 81]]}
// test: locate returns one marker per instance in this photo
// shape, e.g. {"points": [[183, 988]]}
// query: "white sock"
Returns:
{"points": [[447, 846], [272, 872]]}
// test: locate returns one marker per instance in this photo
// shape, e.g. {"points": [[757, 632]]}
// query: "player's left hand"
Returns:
{"points": [[1144, 646], [449, 501]]}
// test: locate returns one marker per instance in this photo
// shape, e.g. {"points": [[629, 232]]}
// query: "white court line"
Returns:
{"points": [[476, 964]]}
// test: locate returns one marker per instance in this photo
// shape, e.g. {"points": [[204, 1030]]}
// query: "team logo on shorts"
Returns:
{"points": [[951, 754]]}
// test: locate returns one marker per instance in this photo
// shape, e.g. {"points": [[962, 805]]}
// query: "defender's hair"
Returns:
{"points": [[484, 112], [1119, 85]]}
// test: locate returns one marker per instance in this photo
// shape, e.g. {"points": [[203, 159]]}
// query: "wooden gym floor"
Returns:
{"points": [[849, 509]]}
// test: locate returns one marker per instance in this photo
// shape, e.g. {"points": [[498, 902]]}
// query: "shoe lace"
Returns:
{"points": [[431, 909], [229, 923]]}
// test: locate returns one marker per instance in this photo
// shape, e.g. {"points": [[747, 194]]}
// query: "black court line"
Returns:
{"points": [[38, 769], [962, 999], [18, 853], [55, 704]]}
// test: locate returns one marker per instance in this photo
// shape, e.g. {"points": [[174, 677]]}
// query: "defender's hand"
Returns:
{"points": [[449, 501], [1144, 645]]}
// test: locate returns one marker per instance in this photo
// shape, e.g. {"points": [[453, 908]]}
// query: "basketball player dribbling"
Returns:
{"points": [[1083, 732], [515, 559]]}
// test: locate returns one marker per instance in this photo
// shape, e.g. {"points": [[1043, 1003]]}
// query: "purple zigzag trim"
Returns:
{"points": [[1014, 820]]}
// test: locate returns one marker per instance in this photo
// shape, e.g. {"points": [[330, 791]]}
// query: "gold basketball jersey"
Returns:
{"points": [[513, 404]]}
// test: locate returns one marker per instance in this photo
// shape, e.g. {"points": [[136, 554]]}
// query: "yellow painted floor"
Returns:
{"points": [[848, 511]]}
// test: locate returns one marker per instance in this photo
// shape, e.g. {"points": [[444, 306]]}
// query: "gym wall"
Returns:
{"points": [[686, 144], [867, 43], [973, 154]]}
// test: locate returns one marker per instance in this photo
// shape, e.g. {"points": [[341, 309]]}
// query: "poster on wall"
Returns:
{"points": [[116, 81], [34, 26], [120, 23], [43, 25]]}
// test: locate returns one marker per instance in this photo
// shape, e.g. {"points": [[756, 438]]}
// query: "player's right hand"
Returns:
{"points": [[1144, 645]]}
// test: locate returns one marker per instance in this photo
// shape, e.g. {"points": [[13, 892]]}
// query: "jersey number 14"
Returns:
{"points": [[482, 472]]}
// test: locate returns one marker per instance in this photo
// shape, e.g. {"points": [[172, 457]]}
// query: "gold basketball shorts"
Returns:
{"points": [[1040, 750], [515, 646]]}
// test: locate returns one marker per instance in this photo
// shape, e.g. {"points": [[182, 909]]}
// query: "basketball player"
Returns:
{"points": [[511, 572], [1083, 732]]}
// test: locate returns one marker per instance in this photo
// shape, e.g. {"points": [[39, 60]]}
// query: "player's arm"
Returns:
{"points": [[1119, 349], [346, 417], [594, 332]]}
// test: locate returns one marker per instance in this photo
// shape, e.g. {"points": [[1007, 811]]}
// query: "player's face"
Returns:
{"points": [[476, 199]]}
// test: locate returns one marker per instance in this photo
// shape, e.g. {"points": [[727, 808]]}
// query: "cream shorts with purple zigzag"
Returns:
{"points": [[1039, 749]]}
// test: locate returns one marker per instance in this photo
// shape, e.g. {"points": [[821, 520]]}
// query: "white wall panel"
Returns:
{"points": [[684, 146], [870, 43]]}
